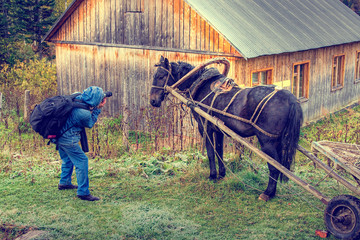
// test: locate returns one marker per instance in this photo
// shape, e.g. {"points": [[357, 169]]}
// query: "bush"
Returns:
{"points": [[37, 75]]}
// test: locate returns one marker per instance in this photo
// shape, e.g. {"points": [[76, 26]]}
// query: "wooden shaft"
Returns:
{"points": [[328, 170], [244, 142], [201, 66]]}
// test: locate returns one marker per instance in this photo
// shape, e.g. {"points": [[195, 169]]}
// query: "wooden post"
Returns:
{"points": [[0, 103], [27, 105], [126, 129]]}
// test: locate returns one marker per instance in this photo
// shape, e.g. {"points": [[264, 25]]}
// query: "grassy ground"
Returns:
{"points": [[163, 195], [137, 205]]}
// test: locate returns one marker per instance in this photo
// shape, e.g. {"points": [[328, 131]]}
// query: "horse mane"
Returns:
{"points": [[180, 69]]}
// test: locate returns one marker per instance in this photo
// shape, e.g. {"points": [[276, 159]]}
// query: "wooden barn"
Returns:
{"points": [[310, 47]]}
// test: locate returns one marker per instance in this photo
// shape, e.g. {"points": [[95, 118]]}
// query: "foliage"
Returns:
{"points": [[33, 18], [353, 4], [12, 52], [38, 76], [22, 26], [61, 6], [340, 127]]}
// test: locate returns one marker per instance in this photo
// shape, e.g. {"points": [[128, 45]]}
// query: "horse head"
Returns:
{"points": [[167, 74], [162, 78]]}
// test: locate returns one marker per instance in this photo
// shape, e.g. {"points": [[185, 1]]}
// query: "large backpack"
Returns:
{"points": [[49, 117]]}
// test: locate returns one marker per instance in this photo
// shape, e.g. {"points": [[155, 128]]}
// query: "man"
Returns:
{"points": [[70, 151]]}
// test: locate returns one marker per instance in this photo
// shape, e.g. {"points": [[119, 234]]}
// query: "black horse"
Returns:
{"points": [[276, 116]]}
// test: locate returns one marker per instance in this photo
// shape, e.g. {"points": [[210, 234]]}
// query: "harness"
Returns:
{"points": [[166, 81], [252, 121], [218, 90]]}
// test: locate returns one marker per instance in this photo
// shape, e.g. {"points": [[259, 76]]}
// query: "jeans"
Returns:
{"points": [[72, 155]]}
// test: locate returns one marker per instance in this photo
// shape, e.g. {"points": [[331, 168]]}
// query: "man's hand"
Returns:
{"points": [[102, 103]]}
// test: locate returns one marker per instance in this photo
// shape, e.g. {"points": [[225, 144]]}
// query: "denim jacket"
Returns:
{"points": [[81, 118]]}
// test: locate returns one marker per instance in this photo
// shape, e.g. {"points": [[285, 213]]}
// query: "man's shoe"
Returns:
{"points": [[64, 187], [88, 197]]}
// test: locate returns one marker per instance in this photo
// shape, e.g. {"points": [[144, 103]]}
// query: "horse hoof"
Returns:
{"points": [[213, 179], [221, 177], [264, 197]]}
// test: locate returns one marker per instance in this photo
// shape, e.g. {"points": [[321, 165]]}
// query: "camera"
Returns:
{"points": [[108, 94]]}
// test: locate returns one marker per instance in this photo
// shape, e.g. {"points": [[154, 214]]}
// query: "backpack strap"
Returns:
{"points": [[77, 103]]}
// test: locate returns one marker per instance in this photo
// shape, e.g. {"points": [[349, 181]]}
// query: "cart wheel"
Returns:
{"points": [[342, 217]]}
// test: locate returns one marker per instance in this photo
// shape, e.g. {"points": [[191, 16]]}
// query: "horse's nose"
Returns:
{"points": [[152, 102]]}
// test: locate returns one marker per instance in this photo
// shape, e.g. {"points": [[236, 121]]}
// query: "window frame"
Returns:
{"points": [[357, 67], [306, 80], [334, 67], [269, 81]]}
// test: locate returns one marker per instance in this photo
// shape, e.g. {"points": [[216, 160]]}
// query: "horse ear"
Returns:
{"points": [[166, 62], [162, 59]]}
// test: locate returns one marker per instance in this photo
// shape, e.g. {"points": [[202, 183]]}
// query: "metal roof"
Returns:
{"points": [[266, 27]]}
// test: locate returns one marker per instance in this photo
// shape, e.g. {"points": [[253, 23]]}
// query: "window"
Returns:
{"points": [[262, 77], [338, 71], [300, 80], [357, 67]]}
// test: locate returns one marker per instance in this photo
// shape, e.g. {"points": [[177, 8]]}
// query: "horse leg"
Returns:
{"points": [[270, 191], [211, 154], [219, 141]]}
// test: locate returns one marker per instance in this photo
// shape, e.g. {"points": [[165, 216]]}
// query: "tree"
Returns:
{"points": [[61, 6], [353, 4], [33, 18], [5, 34]]}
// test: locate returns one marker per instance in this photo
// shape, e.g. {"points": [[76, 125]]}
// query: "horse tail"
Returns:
{"points": [[290, 136]]}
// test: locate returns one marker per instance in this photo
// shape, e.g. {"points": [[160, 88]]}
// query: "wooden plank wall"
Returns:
{"points": [[172, 24], [128, 74], [157, 23], [321, 99]]}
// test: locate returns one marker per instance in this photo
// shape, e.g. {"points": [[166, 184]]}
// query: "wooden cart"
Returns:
{"points": [[342, 214], [343, 155]]}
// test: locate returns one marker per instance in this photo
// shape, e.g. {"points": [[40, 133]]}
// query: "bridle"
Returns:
{"points": [[166, 81]]}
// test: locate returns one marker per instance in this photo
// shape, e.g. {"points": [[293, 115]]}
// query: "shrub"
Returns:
{"points": [[38, 76]]}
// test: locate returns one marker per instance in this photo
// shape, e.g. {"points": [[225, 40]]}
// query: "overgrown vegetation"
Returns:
{"points": [[340, 127], [163, 194]]}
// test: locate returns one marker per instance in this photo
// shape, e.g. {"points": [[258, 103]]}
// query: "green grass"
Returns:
{"points": [[161, 195], [137, 203]]}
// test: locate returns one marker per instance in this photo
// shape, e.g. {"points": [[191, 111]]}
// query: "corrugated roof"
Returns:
{"points": [[265, 27]]}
